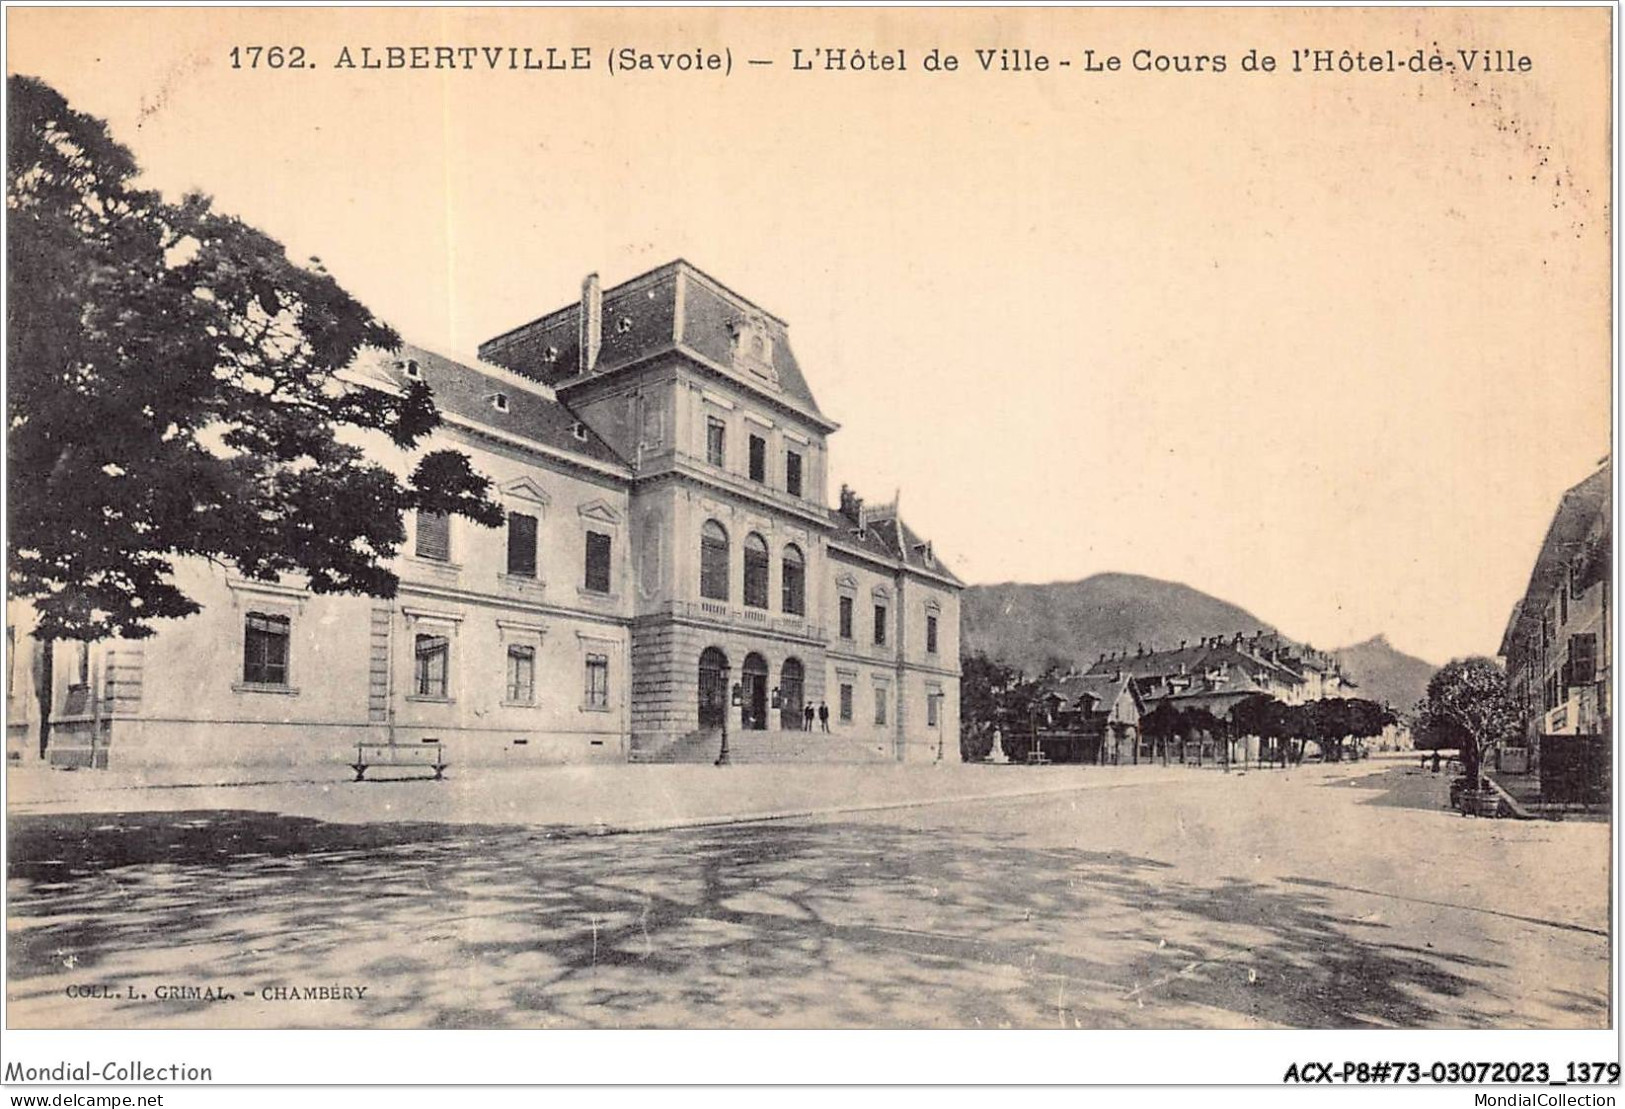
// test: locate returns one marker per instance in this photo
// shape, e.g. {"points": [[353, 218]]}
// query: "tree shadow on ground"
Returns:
{"points": [[1402, 787], [767, 925]]}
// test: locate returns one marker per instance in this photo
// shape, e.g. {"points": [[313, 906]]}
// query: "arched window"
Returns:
{"points": [[755, 571], [713, 562], [795, 581], [713, 687]]}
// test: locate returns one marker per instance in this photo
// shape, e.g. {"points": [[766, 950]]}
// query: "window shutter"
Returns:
{"points": [[598, 549], [521, 544], [434, 536]]}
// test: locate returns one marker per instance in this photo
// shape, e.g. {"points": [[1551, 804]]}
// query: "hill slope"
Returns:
{"points": [[1026, 625], [1386, 674]]}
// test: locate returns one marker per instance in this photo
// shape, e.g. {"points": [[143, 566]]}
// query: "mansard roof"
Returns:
{"points": [[673, 308], [468, 391], [881, 533]]}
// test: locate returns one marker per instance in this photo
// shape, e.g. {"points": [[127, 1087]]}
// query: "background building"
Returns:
{"points": [[1556, 648]]}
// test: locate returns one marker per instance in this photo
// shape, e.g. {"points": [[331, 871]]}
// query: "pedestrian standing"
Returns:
{"points": [[823, 716], [807, 717]]}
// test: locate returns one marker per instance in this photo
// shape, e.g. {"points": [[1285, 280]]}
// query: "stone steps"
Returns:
{"points": [[762, 747]]}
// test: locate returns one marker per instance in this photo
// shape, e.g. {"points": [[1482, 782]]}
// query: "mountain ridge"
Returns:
{"points": [[1026, 624]]}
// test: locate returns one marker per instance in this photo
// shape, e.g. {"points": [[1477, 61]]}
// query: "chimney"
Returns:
{"points": [[591, 334], [852, 507], [1182, 643]]}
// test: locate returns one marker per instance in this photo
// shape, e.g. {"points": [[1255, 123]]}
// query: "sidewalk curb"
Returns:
{"points": [[837, 810]]}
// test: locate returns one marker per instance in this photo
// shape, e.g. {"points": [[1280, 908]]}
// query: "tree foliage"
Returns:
{"points": [[176, 390], [995, 695], [1327, 722], [1468, 702]]}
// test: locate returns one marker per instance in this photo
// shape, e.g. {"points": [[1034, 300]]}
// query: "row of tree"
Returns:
{"points": [[1468, 708], [1283, 728], [994, 695]]}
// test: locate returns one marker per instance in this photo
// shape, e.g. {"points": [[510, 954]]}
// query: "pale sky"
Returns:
{"points": [[1329, 347]]}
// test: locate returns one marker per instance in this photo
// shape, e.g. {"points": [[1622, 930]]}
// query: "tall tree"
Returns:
{"points": [[983, 683], [1468, 701], [177, 390]]}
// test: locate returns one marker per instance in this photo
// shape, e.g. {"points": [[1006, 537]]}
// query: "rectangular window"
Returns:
{"points": [[1582, 659], [716, 442], [432, 659], [597, 692], [931, 634], [1562, 607], [933, 702], [265, 649], [521, 545], [598, 549], [758, 458], [521, 674], [846, 617], [434, 536], [882, 695], [846, 704], [792, 473], [880, 625]]}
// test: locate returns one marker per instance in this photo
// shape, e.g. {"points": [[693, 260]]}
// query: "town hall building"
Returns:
{"points": [[669, 569]]}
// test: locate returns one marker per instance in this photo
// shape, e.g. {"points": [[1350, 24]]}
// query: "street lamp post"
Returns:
{"points": [[722, 756]]}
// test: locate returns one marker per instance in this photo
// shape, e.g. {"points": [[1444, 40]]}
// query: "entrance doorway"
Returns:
{"points": [[713, 687], [753, 681], [792, 712]]}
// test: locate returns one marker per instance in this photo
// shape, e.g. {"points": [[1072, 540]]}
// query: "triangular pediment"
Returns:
{"points": [[527, 488], [846, 581], [600, 510]]}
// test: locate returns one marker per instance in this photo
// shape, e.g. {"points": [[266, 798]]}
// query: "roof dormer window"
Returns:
{"points": [[499, 401], [409, 367], [579, 430], [753, 347]]}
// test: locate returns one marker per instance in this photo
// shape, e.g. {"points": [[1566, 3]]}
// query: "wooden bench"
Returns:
{"points": [[1037, 758], [429, 755]]}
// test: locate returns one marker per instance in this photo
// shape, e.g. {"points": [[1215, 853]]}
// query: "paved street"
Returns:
{"points": [[1144, 897]]}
